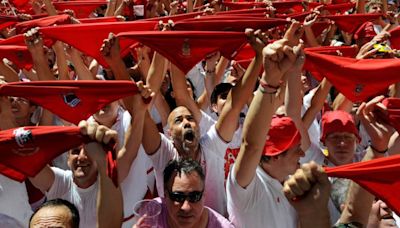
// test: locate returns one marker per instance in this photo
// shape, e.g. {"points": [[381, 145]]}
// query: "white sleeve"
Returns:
{"points": [[213, 142], [62, 183], [163, 155], [206, 123], [243, 198]]}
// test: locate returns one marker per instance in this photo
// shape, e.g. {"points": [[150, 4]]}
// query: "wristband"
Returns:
{"points": [[210, 71], [378, 151], [265, 85]]}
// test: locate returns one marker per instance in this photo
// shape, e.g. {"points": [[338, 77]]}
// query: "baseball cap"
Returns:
{"points": [[282, 135], [338, 121]]}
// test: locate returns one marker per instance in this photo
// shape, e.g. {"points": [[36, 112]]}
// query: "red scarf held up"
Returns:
{"points": [[89, 37], [186, 48], [395, 38], [357, 79], [82, 9], [29, 149], [71, 100], [392, 114], [378, 176], [17, 54], [228, 25], [350, 23], [42, 22]]}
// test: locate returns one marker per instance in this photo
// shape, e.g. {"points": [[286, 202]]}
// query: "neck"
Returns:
{"points": [[23, 122], [202, 223], [274, 172], [192, 153]]}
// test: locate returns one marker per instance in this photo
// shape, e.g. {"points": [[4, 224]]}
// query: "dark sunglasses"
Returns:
{"points": [[180, 197]]}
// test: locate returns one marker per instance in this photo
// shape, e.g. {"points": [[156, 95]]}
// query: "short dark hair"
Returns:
{"points": [[180, 166], [61, 202], [218, 90]]}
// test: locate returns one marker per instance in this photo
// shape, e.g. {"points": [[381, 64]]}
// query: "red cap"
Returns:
{"points": [[282, 135], [338, 121]]}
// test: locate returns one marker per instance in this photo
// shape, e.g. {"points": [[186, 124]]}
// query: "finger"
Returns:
{"points": [[83, 125], [91, 130], [294, 187], [99, 134], [301, 180], [109, 136]]}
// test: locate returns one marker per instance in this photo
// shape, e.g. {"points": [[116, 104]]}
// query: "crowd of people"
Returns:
{"points": [[241, 139]]}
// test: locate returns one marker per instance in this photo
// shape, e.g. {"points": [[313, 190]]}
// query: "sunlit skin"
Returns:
{"points": [[84, 170]]}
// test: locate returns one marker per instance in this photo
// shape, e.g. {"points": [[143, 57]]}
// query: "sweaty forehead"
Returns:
{"points": [[178, 111], [58, 216]]}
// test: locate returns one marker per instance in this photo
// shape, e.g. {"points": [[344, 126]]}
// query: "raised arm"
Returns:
{"points": [[278, 58], [240, 93], [8, 72], [109, 196], [82, 70], [133, 139], [151, 140]]}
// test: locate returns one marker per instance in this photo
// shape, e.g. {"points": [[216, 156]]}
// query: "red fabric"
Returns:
{"points": [[7, 21], [186, 48], [339, 8], [358, 80], [230, 158], [29, 149], [338, 121], [19, 3], [174, 18], [345, 51], [378, 176], [12, 173], [71, 100], [392, 114], [366, 31], [246, 52], [282, 135], [242, 11], [20, 41], [295, 16], [82, 9], [98, 19], [319, 26], [88, 38], [243, 5], [19, 55], [34, 194], [237, 17], [284, 6], [350, 23], [395, 38], [228, 25], [42, 22]]}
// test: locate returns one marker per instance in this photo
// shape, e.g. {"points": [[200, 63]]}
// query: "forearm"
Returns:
{"points": [[51, 10], [61, 61], [111, 6], [310, 37], [359, 200], [41, 66], [133, 139], [162, 108], [320, 219], [109, 201], [81, 69], [156, 72], [9, 74], [317, 102]]}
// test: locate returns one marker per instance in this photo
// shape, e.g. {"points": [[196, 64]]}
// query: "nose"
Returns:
{"points": [[186, 206], [82, 155]]}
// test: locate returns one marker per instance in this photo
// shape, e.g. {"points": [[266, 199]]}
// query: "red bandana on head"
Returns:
{"points": [[378, 176], [28, 149], [71, 100], [228, 25], [186, 48], [350, 23], [42, 22], [357, 79], [88, 38], [82, 9]]}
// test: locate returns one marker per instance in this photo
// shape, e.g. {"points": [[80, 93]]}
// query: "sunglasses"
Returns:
{"points": [[180, 197]]}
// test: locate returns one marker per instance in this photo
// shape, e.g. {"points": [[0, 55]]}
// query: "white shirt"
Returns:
{"points": [[84, 199], [261, 204], [212, 149], [14, 200]]}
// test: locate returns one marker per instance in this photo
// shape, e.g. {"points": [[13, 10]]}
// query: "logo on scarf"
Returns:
{"points": [[186, 48], [20, 55], [71, 100], [24, 140], [359, 88]]}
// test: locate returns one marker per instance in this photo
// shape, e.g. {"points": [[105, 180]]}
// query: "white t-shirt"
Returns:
{"points": [[261, 204], [84, 199], [14, 200], [212, 160]]}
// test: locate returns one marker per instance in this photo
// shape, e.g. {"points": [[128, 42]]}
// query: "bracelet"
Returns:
{"points": [[266, 85], [210, 71], [264, 91], [378, 151]]}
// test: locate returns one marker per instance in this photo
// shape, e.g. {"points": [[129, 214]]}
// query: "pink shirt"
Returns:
{"points": [[215, 220]]}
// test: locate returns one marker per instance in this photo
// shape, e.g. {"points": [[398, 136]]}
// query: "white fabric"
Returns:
{"points": [[196, 76], [84, 199], [261, 204], [14, 200], [212, 149]]}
